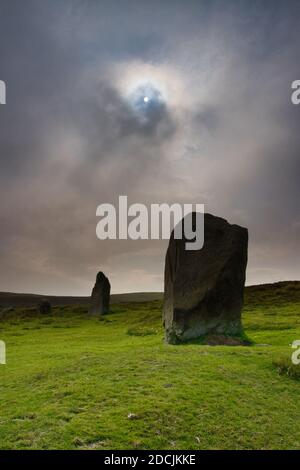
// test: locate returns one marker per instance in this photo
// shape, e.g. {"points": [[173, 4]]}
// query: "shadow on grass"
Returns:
{"points": [[219, 340]]}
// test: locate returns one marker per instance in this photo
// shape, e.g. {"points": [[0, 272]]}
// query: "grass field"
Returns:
{"points": [[73, 382]]}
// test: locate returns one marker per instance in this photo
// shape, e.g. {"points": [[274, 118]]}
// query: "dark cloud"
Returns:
{"points": [[225, 133]]}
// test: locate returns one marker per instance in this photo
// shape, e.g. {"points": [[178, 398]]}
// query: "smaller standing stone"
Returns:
{"points": [[100, 296], [44, 307]]}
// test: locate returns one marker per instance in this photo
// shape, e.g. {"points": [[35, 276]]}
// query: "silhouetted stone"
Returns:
{"points": [[6, 310], [204, 288], [44, 307], [100, 296]]}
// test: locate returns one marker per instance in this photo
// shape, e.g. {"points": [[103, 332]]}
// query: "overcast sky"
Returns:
{"points": [[225, 133]]}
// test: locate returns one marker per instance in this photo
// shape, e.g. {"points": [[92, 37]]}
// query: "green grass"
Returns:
{"points": [[73, 382], [286, 367]]}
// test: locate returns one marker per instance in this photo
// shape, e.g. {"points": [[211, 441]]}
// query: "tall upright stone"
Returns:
{"points": [[204, 288], [100, 296]]}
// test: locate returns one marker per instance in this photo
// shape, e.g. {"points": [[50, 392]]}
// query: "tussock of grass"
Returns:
{"points": [[285, 367], [139, 331]]}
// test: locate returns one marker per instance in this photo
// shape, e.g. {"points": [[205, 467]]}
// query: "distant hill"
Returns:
{"points": [[285, 290], [10, 299]]}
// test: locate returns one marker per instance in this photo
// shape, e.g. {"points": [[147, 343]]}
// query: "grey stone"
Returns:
{"points": [[44, 307], [204, 288], [6, 310], [100, 296]]}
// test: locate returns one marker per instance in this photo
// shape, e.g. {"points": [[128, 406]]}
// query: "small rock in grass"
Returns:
{"points": [[6, 310], [136, 444], [44, 307], [77, 442]]}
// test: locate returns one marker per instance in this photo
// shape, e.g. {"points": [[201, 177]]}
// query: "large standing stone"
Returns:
{"points": [[204, 288], [100, 296]]}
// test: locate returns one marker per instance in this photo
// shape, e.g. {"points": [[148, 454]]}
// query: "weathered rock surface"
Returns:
{"points": [[100, 296], [44, 307], [204, 288]]}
